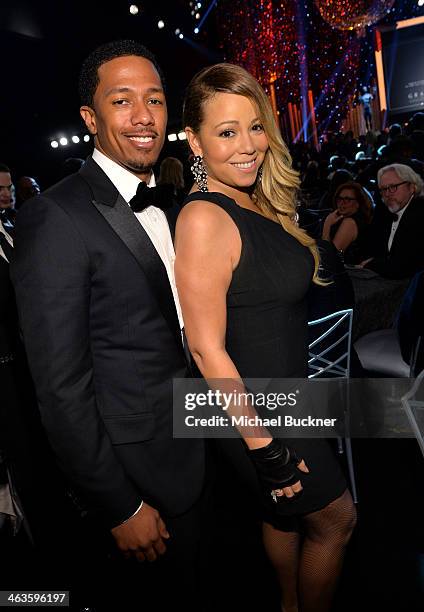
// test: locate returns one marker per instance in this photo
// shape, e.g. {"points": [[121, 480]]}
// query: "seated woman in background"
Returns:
{"points": [[346, 226], [172, 173]]}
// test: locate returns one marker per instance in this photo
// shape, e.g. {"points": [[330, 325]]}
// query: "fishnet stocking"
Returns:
{"points": [[283, 550], [308, 567]]}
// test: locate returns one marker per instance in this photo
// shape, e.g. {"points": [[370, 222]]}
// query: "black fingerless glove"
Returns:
{"points": [[276, 465]]}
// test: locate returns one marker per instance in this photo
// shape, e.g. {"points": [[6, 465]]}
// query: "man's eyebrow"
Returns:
{"points": [[115, 90]]}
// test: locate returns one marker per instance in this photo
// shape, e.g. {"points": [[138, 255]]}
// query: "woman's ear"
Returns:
{"points": [[193, 141]]}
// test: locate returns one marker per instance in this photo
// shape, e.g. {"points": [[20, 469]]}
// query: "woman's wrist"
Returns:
{"points": [[255, 443]]}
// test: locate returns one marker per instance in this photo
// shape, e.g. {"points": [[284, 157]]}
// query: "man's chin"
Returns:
{"points": [[138, 167]]}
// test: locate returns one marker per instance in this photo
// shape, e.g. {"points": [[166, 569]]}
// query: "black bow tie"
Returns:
{"points": [[161, 196], [394, 217]]}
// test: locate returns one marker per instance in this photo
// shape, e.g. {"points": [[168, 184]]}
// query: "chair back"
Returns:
{"points": [[329, 348], [413, 405], [410, 325]]}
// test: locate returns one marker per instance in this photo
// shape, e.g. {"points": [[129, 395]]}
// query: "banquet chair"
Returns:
{"points": [[414, 409], [398, 352], [330, 340]]}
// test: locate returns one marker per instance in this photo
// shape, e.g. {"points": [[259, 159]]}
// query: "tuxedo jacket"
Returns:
{"points": [[103, 342], [406, 257], [8, 319]]}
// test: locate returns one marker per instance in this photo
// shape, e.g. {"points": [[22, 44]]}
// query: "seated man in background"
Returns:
{"points": [[7, 211], [26, 188], [400, 232]]}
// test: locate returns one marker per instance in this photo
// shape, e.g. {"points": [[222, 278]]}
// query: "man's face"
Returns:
{"points": [[5, 190], [402, 191], [129, 114]]}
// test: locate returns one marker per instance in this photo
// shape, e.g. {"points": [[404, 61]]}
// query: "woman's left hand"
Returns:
{"points": [[294, 489], [332, 218]]}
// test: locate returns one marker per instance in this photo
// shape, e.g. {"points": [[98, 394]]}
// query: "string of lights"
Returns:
{"points": [[64, 141]]}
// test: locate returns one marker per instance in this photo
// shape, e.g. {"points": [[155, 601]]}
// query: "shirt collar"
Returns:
{"points": [[400, 212], [125, 181]]}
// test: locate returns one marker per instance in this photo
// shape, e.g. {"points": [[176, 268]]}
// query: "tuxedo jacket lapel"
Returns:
{"points": [[123, 221]]}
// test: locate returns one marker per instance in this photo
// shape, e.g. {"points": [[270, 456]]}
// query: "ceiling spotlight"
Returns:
{"points": [[420, 2], [75, 139], [54, 144], [181, 35], [196, 30], [133, 9], [199, 5], [86, 138], [63, 141], [161, 24], [172, 137], [177, 31], [197, 15], [182, 136]]}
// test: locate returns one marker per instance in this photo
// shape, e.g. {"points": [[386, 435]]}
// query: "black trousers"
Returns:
{"points": [[102, 579]]}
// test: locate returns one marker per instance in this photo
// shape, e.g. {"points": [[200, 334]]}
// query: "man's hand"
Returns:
{"points": [[142, 535]]}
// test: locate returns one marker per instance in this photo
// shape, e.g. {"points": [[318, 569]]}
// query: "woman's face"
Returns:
{"points": [[231, 141], [346, 202]]}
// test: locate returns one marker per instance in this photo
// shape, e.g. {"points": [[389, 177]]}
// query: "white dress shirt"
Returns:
{"points": [[151, 218], [8, 238], [395, 225]]}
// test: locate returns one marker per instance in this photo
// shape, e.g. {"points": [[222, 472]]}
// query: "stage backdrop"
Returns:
{"points": [[403, 53]]}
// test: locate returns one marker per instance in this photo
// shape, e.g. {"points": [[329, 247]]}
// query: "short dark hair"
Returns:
{"points": [[89, 76], [4, 168]]}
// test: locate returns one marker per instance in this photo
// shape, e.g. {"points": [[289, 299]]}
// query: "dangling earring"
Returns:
{"points": [[259, 175], [199, 172]]}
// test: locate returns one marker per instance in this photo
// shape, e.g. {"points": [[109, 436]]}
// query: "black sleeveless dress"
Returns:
{"points": [[357, 250], [267, 337]]}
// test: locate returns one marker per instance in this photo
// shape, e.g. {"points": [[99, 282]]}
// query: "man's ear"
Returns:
{"points": [[89, 117], [193, 141]]}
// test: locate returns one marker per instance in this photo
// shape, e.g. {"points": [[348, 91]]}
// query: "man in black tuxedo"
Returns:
{"points": [[400, 232], [101, 321], [7, 212]]}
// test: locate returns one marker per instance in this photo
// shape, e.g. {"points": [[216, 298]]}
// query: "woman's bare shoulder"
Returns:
{"points": [[349, 223], [203, 215]]}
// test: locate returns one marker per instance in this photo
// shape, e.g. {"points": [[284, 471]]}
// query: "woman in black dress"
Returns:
{"points": [[346, 227], [243, 270]]}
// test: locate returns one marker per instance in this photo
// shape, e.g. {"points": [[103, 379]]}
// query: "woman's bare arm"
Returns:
{"points": [[208, 248]]}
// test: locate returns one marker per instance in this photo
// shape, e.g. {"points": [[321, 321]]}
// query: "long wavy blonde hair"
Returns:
{"points": [[275, 194]]}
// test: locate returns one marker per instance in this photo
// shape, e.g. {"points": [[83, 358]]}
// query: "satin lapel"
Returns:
{"points": [[123, 221], [121, 218]]}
